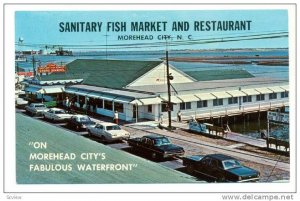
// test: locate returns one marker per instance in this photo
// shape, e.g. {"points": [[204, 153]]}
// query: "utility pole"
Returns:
{"points": [[169, 104], [106, 44], [33, 66]]}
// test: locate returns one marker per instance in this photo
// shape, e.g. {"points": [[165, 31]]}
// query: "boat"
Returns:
{"points": [[21, 58]]}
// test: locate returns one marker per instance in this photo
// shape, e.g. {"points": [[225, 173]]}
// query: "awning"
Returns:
{"points": [[264, 90], [33, 89], [286, 87], [121, 99], [188, 98], [53, 90], [205, 96], [135, 102], [81, 93], [174, 99], [250, 92], [276, 89], [150, 101], [236, 93], [220, 95], [108, 97], [94, 95], [71, 90]]}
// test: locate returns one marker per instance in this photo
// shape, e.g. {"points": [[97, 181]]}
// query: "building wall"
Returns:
{"points": [[158, 76]]}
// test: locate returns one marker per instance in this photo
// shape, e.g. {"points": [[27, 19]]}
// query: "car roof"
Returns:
{"points": [[56, 109], [221, 157], [79, 115], [154, 136], [106, 123]]}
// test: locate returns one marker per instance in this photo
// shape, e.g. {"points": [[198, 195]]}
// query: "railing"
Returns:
{"points": [[235, 109]]}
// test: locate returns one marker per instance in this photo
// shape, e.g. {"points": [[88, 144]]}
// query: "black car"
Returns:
{"points": [[220, 168], [80, 122], [159, 147]]}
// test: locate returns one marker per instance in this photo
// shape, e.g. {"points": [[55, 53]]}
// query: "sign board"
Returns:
{"points": [[27, 74], [51, 68]]}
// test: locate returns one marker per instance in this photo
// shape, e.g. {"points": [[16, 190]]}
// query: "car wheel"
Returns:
{"points": [[153, 155], [102, 138], [221, 179], [89, 132], [190, 169]]}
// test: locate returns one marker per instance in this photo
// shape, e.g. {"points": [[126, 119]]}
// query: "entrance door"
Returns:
{"points": [[135, 111]]}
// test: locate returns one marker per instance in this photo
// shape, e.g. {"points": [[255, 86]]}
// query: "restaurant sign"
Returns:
{"points": [[51, 68]]}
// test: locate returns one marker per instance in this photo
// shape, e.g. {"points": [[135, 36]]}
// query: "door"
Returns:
{"points": [[135, 111]]}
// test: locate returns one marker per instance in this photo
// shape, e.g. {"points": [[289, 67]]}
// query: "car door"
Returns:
{"points": [[214, 170], [98, 130], [203, 166]]}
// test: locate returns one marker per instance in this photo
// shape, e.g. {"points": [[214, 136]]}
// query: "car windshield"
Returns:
{"points": [[228, 164], [40, 105], [84, 119], [59, 112], [161, 141], [116, 127]]}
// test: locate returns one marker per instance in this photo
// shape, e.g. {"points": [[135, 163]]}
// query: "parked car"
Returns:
{"points": [[80, 122], [108, 132], [220, 168], [157, 146], [21, 103], [57, 115], [36, 109]]}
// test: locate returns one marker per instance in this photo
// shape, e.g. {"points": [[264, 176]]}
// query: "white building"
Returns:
{"points": [[137, 89]]}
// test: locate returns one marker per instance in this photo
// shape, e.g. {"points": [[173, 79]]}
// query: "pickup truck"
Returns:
{"points": [[220, 168], [159, 147]]}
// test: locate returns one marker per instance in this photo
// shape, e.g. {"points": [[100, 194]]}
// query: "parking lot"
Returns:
{"points": [[195, 144]]}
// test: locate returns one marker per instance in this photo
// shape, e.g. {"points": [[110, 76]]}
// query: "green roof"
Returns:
{"points": [[207, 75], [60, 140], [104, 73]]}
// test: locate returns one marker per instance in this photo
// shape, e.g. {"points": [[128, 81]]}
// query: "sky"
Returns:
{"points": [[42, 28]]}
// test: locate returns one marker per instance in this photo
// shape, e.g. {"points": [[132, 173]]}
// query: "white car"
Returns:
{"points": [[108, 132], [36, 108], [21, 103], [56, 114]]}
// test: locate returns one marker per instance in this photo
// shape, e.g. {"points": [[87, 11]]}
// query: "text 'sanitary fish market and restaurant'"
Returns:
{"points": [[138, 90]]}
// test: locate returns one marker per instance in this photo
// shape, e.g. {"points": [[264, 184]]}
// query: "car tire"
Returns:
{"points": [[102, 138], [154, 156], [190, 169], [221, 179]]}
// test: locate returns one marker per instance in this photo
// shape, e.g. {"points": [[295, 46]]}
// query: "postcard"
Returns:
{"points": [[130, 98]]}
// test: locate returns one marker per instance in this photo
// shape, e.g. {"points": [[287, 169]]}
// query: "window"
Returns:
{"points": [[99, 103], [217, 102], [232, 100], [273, 96], [247, 99], [185, 106], [188, 105], [201, 104], [149, 108], [107, 105], [284, 94], [119, 107], [260, 97]]}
